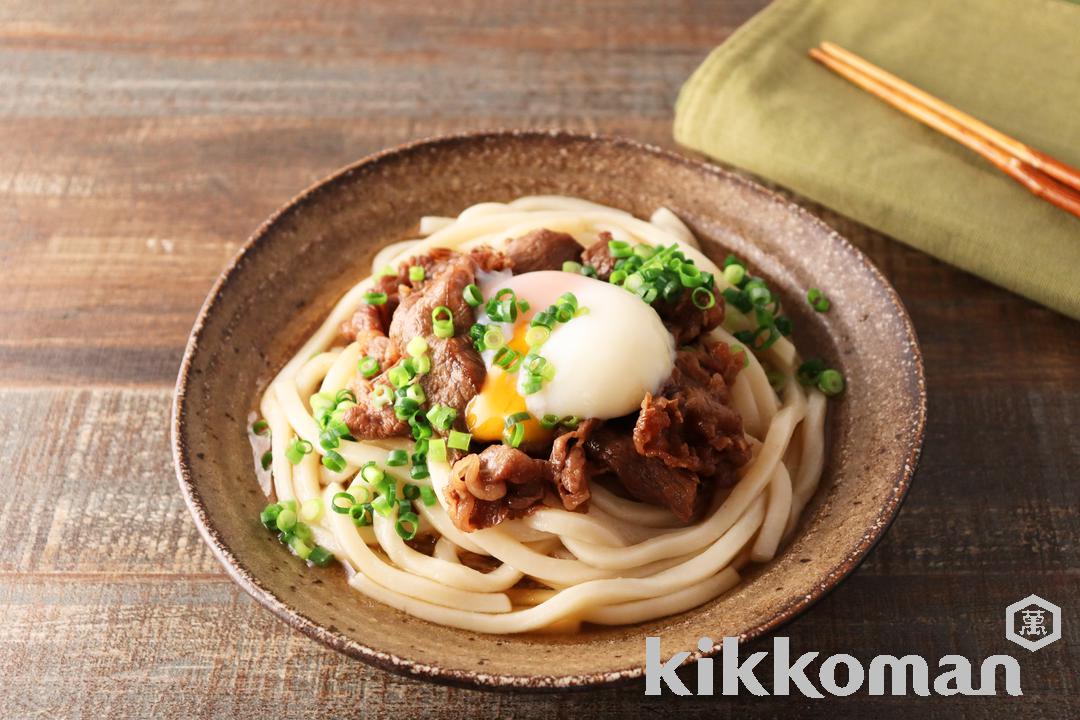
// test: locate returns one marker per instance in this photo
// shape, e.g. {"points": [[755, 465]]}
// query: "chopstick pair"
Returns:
{"points": [[1043, 175]]}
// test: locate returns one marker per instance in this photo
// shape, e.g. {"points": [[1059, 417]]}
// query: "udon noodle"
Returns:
{"points": [[621, 561]]}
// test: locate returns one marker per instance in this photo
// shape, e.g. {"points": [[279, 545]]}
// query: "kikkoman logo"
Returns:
{"points": [[838, 675]]}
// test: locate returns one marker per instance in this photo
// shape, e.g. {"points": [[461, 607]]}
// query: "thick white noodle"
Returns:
{"points": [[620, 562]]}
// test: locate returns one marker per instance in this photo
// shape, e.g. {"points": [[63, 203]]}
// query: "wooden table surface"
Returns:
{"points": [[142, 142]]}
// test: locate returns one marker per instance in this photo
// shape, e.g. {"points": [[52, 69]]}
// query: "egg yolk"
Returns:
{"points": [[499, 398]]}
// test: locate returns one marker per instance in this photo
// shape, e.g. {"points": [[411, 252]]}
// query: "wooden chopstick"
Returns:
{"points": [[1043, 175]]}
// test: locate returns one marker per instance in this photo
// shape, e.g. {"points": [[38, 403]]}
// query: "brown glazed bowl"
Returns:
{"points": [[287, 276]]}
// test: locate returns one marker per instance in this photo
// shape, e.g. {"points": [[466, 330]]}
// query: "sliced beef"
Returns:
{"points": [[413, 315], [367, 320], [685, 320], [598, 255], [690, 425], [499, 483], [368, 422], [568, 465], [457, 373], [646, 478], [542, 250]]}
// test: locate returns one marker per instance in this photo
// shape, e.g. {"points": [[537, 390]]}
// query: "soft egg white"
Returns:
{"points": [[606, 359]]}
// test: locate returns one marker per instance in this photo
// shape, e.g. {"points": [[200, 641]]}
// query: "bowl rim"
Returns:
{"points": [[489, 681]]}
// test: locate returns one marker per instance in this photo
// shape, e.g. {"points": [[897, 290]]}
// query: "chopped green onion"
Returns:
{"points": [[476, 335], [472, 295], [617, 277], [400, 376], [266, 460], [734, 274], [344, 395], [513, 436], [387, 271], [523, 305], [369, 366], [372, 473], [783, 325], [360, 514], [427, 495], [549, 421], [732, 260], [328, 440], [507, 359], [689, 275], [416, 394], [417, 346], [341, 502], [311, 510], [260, 427], [297, 450], [302, 531], [289, 505], [320, 556], [422, 364], [416, 273], [442, 322], [810, 371], [775, 378], [831, 382], [421, 428], [703, 299], [570, 421], [375, 298], [300, 547], [361, 492], [286, 520], [407, 524], [437, 450], [619, 249], [531, 385], [458, 440], [817, 300], [268, 517], [333, 461], [494, 338], [405, 408], [517, 418], [382, 396], [419, 471], [571, 266], [397, 458], [441, 417], [383, 505], [410, 491], [537, 335]]}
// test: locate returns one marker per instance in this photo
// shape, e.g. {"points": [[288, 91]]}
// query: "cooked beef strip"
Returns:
{"points": [[457, 371], [457, 374], [367, 422], [542, 249], [599, 257], [499, 483], [690, 425], [569, 469], [685, 320], [413, 315], [647, 479]]}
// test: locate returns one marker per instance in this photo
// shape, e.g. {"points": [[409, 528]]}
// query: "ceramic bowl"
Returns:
{"points": [[287, 276]]}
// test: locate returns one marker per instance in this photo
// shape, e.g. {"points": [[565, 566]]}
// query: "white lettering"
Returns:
{"points": [[827, 674], [734, 673], [655, 672]]}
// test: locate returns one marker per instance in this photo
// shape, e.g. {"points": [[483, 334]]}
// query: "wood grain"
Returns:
{"points": [[143, 142]]}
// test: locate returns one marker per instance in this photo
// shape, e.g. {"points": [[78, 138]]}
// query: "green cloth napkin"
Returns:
{"points": [[759, 102]]}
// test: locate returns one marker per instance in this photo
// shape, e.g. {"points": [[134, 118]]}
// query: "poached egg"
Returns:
{"points": [[605, 358]]}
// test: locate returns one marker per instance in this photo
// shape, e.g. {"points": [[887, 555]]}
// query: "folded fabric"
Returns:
{"points": [[758, 102]]}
